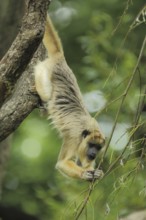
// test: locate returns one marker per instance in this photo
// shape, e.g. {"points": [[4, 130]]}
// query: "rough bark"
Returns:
{"points": [[20, 53], [22, 102], [18, 102], [11, 12]]}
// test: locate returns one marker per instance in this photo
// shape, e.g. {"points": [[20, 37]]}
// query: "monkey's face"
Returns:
{"points": [[91, 144]]}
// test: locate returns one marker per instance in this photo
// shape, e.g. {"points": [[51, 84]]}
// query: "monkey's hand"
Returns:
{"points": [[92, 175]]}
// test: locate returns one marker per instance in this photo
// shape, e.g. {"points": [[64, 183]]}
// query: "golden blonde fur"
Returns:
{"points": [[58, 89]]}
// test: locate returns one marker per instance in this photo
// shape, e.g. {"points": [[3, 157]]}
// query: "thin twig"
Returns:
{"points": [[123, 98], [91, 187], [135, 125], [122, 16]]}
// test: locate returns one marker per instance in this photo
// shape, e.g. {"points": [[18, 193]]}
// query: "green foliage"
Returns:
{"points": [[103, 58]]}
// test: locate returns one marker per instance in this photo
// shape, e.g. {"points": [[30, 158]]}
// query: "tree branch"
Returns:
{"points": [[20, 53], [22, 100]]}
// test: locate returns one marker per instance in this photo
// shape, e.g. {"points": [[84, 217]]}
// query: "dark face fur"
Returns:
{"points": [[93, 149], [93, 146]]}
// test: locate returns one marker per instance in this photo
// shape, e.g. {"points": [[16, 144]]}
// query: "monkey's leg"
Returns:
{"points": [[42, 80]]}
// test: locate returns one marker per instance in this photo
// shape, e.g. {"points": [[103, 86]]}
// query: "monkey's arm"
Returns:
{"points": [[69, 168]]}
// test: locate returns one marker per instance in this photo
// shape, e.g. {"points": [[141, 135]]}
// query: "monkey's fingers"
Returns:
{"points": [[92, 175], [88, 175], [98, 174]]}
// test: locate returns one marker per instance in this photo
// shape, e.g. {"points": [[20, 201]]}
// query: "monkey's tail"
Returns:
{"points": [[51, 39]]}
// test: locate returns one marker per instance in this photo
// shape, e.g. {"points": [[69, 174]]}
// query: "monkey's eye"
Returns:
{"points": [[85, 133]]}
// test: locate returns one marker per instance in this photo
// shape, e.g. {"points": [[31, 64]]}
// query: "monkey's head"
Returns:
{"points": [[92, 141]]}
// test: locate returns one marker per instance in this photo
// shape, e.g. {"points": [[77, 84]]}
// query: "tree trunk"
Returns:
{"points": [[11, 12], [16, 79]]}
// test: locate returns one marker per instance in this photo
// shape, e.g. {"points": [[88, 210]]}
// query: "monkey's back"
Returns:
{"points": [[66, 105]]}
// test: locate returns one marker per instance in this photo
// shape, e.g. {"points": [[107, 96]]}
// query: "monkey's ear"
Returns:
{"points": [[85, 133]]}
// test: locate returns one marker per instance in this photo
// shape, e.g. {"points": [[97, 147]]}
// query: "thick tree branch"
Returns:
{"points": [[20, 53], [22, 100], [21, 103]]}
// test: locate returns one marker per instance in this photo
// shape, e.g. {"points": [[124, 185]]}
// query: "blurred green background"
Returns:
{"points": [[93, 34]]}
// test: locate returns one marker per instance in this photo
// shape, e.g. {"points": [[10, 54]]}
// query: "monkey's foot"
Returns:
{"points": [[92, 175]]}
